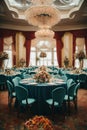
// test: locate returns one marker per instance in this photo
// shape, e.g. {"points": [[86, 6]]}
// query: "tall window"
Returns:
{"points": [[8, 62], [77, 64], [50, 59]]}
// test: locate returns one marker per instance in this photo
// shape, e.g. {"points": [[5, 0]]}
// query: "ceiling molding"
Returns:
{"points": [[32, 28]]}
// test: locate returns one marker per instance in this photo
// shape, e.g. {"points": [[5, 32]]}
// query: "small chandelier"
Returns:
{"points": [[44, 33], [43, 54]]}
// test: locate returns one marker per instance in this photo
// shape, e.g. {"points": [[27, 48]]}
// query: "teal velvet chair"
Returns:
{"points": [[57, 99], [11, 93], [2, 82], [23, 99], [71, 95], [16, 81], [82, 80]]}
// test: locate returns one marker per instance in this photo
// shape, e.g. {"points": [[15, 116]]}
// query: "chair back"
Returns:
{"points": [[2, 79], [21, 93], [16, 81], [10, 88], [76, 89], [70, 82], [58, 95], [71, 90], [82, 77]]}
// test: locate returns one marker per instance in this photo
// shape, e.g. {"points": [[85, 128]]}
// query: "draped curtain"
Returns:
{"points": [[59, 45], [28, 47], [28, 37], [86, 44], [1, 47]]}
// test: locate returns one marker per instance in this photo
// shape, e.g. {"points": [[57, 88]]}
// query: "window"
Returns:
{"points": [[8, 62], [77, 64], [50, 59]]}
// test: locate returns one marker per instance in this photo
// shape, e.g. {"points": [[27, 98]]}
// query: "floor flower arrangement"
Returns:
{"points": [[39, 123]]}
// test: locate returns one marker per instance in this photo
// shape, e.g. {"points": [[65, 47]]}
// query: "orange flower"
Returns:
{"points": [[39, 122]]}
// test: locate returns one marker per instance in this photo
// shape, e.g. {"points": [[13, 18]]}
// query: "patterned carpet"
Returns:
{"points": [[76, 121]]}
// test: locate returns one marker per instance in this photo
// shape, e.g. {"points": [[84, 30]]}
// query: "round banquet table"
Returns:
{"points": [[41, 92]]}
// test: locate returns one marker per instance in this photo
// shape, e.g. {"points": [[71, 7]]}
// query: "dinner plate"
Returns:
{"points": [[33, 83], [50, 83], [24, 81], [60, 82]]}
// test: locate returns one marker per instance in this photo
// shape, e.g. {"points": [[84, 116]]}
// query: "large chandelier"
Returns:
{"points": [[42, 14]]}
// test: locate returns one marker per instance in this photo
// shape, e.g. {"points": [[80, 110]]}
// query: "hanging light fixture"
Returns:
{"points": [[44, 33], [42, 13], [43, 54]]}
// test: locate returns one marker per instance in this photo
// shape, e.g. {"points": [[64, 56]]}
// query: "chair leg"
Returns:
{"points": [[10, 101], [75, 104], [68, 107]]}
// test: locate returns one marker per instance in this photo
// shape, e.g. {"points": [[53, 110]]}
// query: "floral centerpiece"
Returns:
{"points": [[42, 77], [42, 68], [80, 55], [39, 123], [3, 55], [66, 62]]}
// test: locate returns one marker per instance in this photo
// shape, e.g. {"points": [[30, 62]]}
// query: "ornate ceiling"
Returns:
{"points": [[73, 14]]}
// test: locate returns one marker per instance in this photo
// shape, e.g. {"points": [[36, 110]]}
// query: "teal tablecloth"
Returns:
{"points": [[41, 92]]}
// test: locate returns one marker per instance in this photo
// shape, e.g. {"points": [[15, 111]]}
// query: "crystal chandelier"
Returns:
{"points": [[44, 33], [42, 13]]}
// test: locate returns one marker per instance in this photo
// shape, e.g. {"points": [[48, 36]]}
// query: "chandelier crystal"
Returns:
{"points": [[44, 33]]}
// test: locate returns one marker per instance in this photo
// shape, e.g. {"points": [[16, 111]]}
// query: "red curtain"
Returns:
{"points": [[29, 36], [28, 47], [14, 50], [1, 44], [74, 47], [59, 45], [86, 44]]}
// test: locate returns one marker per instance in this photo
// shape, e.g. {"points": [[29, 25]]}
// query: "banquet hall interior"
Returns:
{"points": [[43, 65]]}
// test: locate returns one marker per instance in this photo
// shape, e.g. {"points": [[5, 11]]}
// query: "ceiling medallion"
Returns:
{"points": [[42, 15]]}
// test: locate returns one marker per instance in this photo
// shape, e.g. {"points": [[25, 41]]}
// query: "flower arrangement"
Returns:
{"points": [[39, 122], [80, 55], [3, 55], [42, 77], [66, 61], [42, 68]]}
